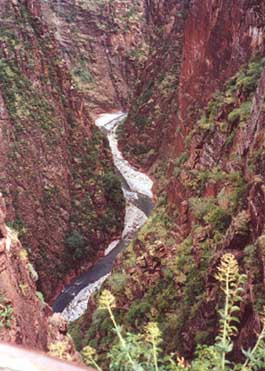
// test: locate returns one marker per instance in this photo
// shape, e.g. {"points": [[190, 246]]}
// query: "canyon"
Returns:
{"points": [[137, 190], [189, 155]]}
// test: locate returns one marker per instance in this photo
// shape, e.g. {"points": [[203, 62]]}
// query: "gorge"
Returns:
{"points": [[137, 190], [79, 177]]}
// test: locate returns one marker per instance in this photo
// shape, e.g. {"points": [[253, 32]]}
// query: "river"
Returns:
{"points": [[137, 191]]}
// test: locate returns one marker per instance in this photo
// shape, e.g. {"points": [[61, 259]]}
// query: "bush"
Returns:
{"points": [[111, 183], [234, 115], [84, 75], [242, 113], [206, 210], [6, 311], [218, 218], [18, 227], [201, 206], [143, 352], [76, 244], [118, 282]]}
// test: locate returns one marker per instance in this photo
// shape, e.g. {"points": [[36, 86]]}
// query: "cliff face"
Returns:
{"points": [[211, 56], [104, 46], [25, 317], [56, 169], [190, 61], [211, 199], [22, 313], [219, 38], [196, 123], [153, 107]]}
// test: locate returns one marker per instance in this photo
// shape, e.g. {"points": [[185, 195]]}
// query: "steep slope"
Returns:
{"points": [[179, 80], [211, 200], [24, 316], [146, 131], [56, 169], [22, 313], [103, 43]]}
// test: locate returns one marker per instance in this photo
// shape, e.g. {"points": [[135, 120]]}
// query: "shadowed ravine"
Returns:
{"points": [[137, 190]]}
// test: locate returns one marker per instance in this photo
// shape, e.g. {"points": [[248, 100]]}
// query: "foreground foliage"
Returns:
{"points": [[142, 351]]}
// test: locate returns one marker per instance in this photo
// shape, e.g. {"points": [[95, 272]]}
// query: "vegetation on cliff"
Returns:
{"points": [[193, 76], [153, 104], [57, 172], [167, 264], [143, 351], [105, 46]]}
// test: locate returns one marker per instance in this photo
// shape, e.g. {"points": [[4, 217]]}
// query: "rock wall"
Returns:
{"points": [[154, 103], [195, 123], [25, 317], [188, 58], [104, 45], [210, 57], [219, 38], [22, 314], [209, 177], [56, 169]]}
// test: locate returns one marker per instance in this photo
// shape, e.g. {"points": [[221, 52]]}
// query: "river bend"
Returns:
{"points": [[137, 191]]}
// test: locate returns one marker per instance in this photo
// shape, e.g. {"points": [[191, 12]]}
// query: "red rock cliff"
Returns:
{"points": [[25, 317], [197, 124], [104, 45], [55, 165]]}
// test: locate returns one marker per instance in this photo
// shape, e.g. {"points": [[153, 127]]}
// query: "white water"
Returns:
{"points": [[136, 180], [138, 183], [78, 305]]}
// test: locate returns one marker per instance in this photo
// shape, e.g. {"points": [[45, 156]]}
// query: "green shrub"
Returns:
{"points": [[142, 352], [112, 184], [218, 218], [75, 240], [234, 115], [6, 311], [201, 206], [75, 244], [206, 210], [40, 296], [18, 226], [82, 73], [242, 113], [118, 282]]}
